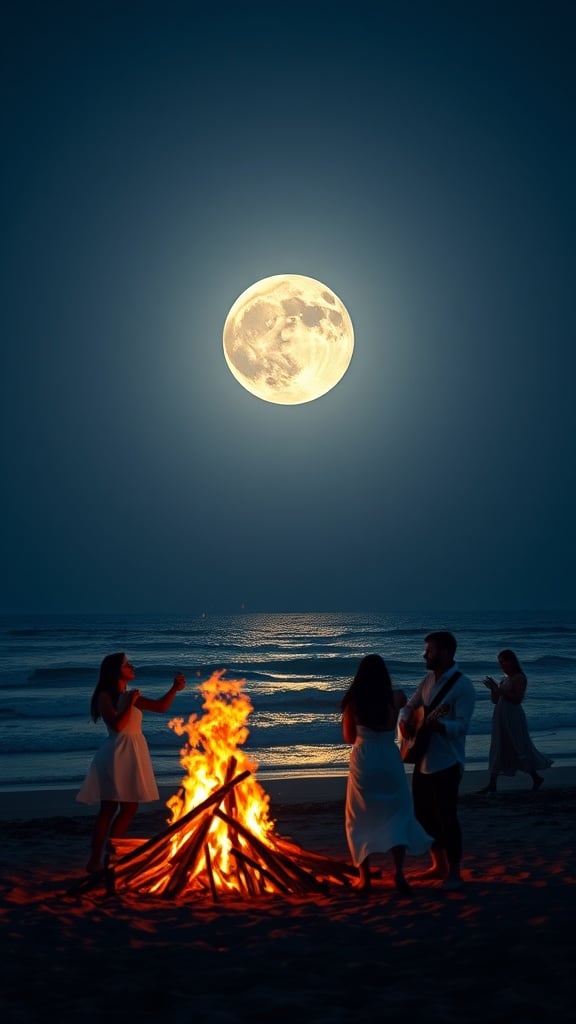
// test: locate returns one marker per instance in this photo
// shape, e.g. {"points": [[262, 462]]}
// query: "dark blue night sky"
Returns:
{"points": [[159, 158]]}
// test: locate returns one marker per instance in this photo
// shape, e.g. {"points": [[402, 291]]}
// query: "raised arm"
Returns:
{"points": [[493, 687], [406, 711], [513, 688], [162, 703], [116, 718]]}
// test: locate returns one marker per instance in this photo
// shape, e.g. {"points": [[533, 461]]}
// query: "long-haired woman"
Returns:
{"points": [[379, 810], [121, 774], [511, 748]]}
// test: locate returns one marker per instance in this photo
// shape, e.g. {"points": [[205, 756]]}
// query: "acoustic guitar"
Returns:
{"points": [[414, 747]]}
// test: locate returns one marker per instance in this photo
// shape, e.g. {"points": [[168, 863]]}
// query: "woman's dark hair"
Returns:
{"points": [[110, 670], [511, 657], [370, 693]]}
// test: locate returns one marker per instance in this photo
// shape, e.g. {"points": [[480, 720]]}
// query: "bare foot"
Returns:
{"points": [[364, 887]]}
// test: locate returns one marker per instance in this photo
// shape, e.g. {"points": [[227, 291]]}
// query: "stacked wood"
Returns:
{"points": [[177, 863]]}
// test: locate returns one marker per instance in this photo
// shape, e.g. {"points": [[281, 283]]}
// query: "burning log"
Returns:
{"points": [[283, 866], [252, 886], [317, 862], [178, 880], [210, 872], [246, 860], [177, 826]]}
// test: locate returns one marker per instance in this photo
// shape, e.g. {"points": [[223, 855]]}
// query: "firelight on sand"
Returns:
{"points": [[288, 339]]}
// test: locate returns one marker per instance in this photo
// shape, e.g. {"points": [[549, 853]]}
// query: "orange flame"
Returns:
{"points": [[211, 755]]}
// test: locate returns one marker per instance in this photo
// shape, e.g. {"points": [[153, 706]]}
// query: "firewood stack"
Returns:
{"points": [[180, 861]]}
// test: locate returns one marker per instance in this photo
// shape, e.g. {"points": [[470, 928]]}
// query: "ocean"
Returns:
{"points": [[296, 668]]}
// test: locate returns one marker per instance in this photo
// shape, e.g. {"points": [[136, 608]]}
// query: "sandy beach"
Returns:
{"points": [[499, 948]]}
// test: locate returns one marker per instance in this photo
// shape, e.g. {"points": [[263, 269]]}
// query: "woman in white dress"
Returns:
{"points": [[379, 809], [511, 748], [121, 774]]}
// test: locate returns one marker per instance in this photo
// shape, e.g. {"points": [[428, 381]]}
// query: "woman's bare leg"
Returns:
{"points": [[364, 875], [100, 831], [121, 822]]}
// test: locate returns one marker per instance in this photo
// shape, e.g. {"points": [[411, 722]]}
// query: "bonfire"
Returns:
{"points": [[219, 838]]}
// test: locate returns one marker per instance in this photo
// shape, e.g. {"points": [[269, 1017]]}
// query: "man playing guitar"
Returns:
{"points": [[438, 772]]}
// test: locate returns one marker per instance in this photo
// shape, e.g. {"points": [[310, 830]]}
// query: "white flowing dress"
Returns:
{"points": [[379, 807], [511, 748], [122, 768]]}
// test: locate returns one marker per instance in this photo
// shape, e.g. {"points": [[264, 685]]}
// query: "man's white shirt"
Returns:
{"points": [[444, 750]]}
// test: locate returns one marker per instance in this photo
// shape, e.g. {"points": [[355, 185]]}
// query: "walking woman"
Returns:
{"points": [[511, 748]]}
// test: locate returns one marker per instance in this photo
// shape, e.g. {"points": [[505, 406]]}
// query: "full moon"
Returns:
{"points": [[288, 339]]}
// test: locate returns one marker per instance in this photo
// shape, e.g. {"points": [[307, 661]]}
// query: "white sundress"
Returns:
{"points": [[122, 768], [511, 748], [379, 807]]}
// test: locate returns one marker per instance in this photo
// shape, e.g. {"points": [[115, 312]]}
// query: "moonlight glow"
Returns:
{"points": [[288, 339]]}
